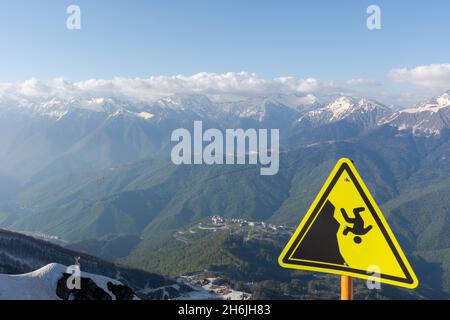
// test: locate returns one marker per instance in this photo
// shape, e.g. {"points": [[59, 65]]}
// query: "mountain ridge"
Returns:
{"points": [[99, 181]]}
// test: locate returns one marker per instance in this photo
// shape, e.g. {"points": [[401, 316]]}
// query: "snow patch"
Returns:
{"points": [[146, 115]]}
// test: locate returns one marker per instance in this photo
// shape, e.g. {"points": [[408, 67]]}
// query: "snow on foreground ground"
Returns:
{"points": [[41, 284]]}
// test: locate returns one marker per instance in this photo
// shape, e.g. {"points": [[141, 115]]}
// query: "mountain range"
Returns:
{"points": [[97, 133], [96, 174]]}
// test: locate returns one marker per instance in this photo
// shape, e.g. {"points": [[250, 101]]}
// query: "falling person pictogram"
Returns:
{"points": [[358, 228]]}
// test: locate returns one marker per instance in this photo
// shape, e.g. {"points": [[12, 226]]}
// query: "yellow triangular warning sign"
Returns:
{"points": [[344, 232]]}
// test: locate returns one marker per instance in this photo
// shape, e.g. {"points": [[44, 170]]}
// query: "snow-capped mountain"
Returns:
{"points": [[175, 107], [301, 103], [315, 110], [187, 102], [256, 111], [39, 137], [56, 109], [428, 118], [363, 112]]}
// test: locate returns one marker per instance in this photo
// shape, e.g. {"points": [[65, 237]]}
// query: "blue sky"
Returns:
{"points": [[327, 40]]}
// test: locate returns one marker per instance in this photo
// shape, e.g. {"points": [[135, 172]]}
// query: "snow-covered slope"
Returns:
{"points": [[428, 118], [41, 284], [259, 109], [363, 112]]}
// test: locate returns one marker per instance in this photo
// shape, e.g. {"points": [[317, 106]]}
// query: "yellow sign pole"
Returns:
{"points": [[346, 288]]}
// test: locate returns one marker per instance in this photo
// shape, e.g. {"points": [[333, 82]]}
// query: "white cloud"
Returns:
{"points": [[363, 82], [433, 75], [235, 84]]}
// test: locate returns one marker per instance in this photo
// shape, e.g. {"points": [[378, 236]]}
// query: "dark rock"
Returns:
{"points": [[172, 292], [61, 288], [120, 291], [88, 290], [157, 295], [184, 288]]}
